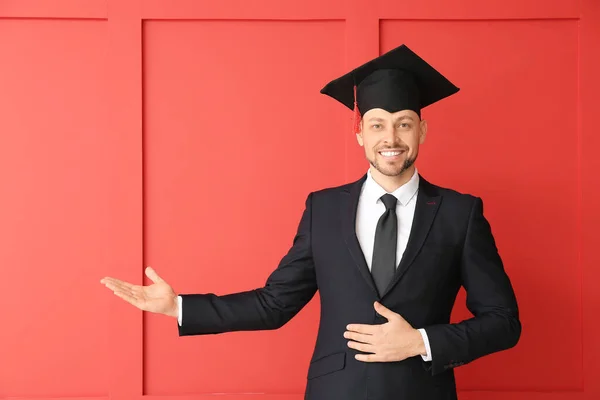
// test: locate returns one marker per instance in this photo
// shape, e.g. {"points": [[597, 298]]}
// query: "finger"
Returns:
{"points": [[152, 275], [384, 311], [369, 357], [129, 298], [361, 328], [359, 337], [119, 286], [118, 282], [365, 348]]}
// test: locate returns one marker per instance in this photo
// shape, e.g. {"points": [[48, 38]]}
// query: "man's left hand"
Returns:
{"points": [[395, 340]]}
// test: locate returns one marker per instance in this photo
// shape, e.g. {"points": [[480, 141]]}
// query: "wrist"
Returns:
{"points": [[419, 344], [174, 311]]}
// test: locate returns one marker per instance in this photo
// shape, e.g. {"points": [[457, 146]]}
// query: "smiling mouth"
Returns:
{"points": [[391, 153]]}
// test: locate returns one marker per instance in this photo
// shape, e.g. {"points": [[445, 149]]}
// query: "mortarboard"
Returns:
{"points": [[397, 80]]}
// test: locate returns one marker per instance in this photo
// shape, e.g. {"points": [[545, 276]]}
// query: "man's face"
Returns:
{"points": [[391, 141]]}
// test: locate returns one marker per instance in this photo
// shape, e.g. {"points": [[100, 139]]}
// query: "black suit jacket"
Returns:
{"points": [[450, 245]]}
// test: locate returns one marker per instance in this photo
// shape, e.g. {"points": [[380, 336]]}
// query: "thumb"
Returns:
{"points": [[384, 312], [152, 275]]}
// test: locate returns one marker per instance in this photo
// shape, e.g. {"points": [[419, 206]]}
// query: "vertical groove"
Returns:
{"points": [[579, 205], [144, 196]]}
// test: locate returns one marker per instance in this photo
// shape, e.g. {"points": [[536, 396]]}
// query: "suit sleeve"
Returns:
{"points": [[286, 291], [490, 298]]}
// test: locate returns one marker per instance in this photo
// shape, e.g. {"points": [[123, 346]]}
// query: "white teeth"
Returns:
{"points": [[390, 153]]}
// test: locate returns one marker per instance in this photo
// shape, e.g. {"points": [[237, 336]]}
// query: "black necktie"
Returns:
{"points": [[383, 265]]}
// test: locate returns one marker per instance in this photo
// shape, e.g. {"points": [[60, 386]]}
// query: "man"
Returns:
{"points": [[388, 254]]}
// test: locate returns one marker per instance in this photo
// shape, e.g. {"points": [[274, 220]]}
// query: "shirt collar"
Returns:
{"points": [[372, 191]]}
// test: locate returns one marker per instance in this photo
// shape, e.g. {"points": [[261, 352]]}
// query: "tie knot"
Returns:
{"points": [[390, 201]]}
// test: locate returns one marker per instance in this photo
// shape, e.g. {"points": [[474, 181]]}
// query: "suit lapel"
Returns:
{"points": [[428, 202], [349, 205]]}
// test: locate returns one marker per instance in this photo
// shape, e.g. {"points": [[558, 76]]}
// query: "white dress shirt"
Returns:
{"points": [[370, 208]]}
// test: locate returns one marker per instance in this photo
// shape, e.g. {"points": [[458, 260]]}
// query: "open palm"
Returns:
{"points": [[157, 298]]}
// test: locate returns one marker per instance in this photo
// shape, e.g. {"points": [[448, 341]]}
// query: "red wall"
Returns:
{"points": [[186, 134]]}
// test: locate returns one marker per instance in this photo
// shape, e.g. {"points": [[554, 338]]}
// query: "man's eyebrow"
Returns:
{"points": [[378, 119]]}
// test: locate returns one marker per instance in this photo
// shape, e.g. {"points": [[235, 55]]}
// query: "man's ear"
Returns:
{"points": [[359, 134], [359, 138], [423, 134]]}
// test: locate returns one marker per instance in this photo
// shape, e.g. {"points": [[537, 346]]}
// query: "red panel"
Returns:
{"points": [[510, 136], [230, 117], [589, 62], [525, 395], [53, 8], [54, 230]]}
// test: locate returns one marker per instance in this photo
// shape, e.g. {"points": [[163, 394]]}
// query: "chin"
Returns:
{"points": [[392, 172], [388, 170], [393, 169]]}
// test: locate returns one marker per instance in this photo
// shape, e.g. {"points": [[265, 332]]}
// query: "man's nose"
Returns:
{"points": [[389, 135]]}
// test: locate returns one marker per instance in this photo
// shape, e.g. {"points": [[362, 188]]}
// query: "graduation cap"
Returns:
{"points": [[397, 80]]}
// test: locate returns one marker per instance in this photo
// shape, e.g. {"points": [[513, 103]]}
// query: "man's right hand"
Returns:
{"points": [[157, 298]]}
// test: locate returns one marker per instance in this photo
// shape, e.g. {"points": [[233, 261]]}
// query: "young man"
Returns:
{"points": [[388, 254]]}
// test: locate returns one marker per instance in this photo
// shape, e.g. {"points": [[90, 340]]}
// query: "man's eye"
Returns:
{"points": [[404, 125], [376, 126]]}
